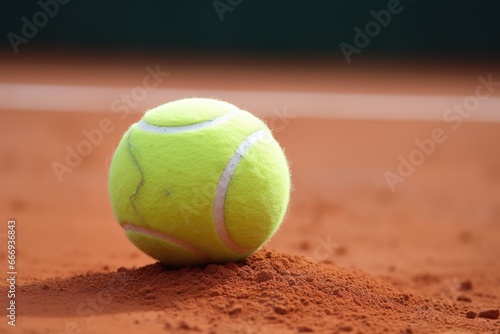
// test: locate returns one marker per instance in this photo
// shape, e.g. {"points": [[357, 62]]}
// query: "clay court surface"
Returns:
{"points": [[352, 256]]}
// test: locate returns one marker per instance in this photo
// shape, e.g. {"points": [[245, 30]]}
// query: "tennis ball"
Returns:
{"points": [[199, 181]]}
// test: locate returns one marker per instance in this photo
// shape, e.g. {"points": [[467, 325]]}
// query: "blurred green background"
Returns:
{"points": [[451, 28]]}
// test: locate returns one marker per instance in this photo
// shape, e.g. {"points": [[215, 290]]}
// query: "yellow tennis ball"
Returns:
{"points": [[198, 181]]}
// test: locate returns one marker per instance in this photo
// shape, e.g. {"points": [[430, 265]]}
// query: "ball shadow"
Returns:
{"points": [[152, 287]]}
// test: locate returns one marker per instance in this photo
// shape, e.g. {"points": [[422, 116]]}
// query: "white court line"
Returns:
{"points": [[66, 98]]}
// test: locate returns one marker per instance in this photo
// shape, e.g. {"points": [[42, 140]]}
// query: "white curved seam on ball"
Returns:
{"points": [[223, 184], [142, 124], [162, 236]]}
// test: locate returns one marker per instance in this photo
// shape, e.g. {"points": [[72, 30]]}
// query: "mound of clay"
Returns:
{"points": [[269, 292]]}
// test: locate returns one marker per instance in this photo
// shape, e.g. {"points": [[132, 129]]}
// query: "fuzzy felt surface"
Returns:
{"points": [[167, 183]]}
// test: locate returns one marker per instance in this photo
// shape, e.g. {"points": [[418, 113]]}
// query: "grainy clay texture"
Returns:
{"points": [[269, 292], [351, 257]]}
